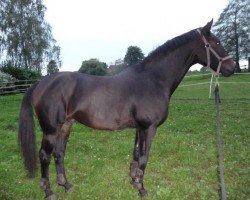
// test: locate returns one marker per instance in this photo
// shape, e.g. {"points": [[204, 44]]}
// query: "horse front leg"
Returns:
{"points": [[137, 168], [134, 165]]}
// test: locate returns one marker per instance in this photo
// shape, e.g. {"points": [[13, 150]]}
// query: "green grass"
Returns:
{"points": [[183, 160]]}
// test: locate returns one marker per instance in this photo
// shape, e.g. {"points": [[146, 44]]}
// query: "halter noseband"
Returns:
{"points": [[208, 49]]}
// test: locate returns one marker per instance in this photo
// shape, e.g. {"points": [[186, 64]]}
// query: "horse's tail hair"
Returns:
{"points": [[26, 133]]}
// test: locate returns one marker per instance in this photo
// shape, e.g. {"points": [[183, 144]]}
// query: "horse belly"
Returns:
{"points": [[104, 120]]}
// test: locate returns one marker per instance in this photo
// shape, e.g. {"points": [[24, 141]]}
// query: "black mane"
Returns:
{"points": [[170, 45]]}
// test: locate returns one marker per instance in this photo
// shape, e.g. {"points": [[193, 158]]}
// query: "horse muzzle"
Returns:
{"points": [[228, 68]]}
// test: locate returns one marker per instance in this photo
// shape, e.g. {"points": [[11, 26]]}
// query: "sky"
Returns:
{"points": [[104, 29]]}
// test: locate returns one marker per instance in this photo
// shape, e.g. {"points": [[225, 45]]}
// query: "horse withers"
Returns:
{"points": [[137, 97]]}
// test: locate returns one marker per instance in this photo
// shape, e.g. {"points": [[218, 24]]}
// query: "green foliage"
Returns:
{"points": [[183, 161], [25, 37], [20, 73], [52, 67], [133, 55], [5, 79], [233, 28], [94, 67]]}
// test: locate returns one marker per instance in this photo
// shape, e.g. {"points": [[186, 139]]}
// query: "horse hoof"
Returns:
{"points": [[51, 197], [143, 193], [69, 189]]}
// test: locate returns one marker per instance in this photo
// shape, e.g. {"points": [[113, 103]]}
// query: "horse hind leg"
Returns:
{"points": [[59, 152], [45, 157]]}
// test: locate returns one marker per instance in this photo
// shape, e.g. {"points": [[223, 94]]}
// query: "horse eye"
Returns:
{"points": [[218, 42]]}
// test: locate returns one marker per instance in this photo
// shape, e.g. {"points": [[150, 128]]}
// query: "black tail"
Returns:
{"points": [[26, 133]]}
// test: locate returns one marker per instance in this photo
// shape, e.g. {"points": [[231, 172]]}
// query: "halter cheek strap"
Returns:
{"points": [[208, 49]]}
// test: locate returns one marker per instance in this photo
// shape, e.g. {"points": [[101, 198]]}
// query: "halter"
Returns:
{"points": [[208, 49]]}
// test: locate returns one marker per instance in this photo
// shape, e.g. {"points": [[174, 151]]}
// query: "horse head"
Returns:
{"points": [[211, 53]]}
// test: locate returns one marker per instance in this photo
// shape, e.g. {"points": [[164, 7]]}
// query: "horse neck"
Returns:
{"points": [[170, 70]]}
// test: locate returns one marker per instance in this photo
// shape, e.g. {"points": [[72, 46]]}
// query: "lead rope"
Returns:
{"points": [[219, 141]]}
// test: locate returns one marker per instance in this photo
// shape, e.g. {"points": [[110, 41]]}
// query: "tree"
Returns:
{"points": [[233, 28], [94, 67], [133, 55], [54, 54], [52, 67], [25, 38]]}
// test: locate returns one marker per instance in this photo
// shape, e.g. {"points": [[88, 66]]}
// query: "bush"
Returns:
{"points": [[18, 72], [6, 79]]}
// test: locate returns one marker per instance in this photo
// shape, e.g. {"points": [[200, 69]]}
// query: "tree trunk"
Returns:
{"points": [[237, 69], [248, 64], [237, 57]]}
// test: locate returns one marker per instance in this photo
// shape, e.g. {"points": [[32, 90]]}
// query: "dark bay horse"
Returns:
{"points": [[138, 97]]}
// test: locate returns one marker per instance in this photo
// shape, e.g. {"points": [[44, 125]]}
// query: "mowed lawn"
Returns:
{"points": [[183, 160]]}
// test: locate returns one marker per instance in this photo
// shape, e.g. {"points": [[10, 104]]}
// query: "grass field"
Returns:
{"points": [[183, 160]]}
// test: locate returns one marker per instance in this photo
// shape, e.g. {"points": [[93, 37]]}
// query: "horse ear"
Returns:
{"points": [[206, 29]]}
